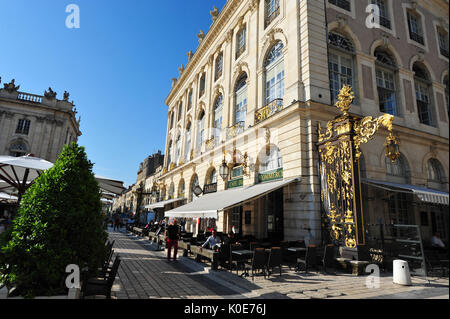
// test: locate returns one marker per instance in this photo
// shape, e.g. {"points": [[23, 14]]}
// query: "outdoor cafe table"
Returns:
{"points": [[242, 255]]}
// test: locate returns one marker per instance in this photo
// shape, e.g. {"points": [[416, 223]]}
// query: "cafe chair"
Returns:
{"points": [[258, 262], [101, 286], [328, 260], [310, 259], [275, 260]]}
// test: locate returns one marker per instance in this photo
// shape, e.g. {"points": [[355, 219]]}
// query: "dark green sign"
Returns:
{"points": [[270, 176], [239, 182]]}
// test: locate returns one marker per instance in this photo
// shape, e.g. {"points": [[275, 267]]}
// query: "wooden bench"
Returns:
{"points": [[207, 253]]}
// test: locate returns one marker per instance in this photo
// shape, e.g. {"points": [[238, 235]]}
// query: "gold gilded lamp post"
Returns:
{"points": [[339, 152]]}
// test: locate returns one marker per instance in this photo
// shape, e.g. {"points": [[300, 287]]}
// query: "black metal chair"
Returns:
{"points": [[225, 256], [328, 260], [275, 260], [102, 286], [310, 259], [254, 245], [258, 262]]}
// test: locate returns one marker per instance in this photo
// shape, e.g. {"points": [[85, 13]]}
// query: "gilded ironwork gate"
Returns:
{"points": [[339, 152]]}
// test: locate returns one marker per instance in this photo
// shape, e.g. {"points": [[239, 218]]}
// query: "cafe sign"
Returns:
{"points": [[270, 176], [234, 183], [210, 188]]}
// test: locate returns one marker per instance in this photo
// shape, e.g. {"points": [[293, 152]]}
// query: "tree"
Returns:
{"points": [[59, 222]]}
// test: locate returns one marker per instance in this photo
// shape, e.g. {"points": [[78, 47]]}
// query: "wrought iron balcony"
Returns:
{"points": [[235, 130], [269, 110], [210, 144]]}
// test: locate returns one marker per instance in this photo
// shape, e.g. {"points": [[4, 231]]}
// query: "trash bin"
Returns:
{"points": [[401, 273]]}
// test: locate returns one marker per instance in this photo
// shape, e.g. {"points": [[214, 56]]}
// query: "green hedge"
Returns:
{"points": [[59, 222]]}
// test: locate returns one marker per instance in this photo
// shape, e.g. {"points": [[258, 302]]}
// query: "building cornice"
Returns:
{"points": [[224, 17]]}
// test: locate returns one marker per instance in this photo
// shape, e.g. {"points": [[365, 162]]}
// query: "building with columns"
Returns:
{"points": [[35, 124], [267, 73]]}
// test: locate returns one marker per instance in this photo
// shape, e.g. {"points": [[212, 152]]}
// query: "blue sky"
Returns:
{"points": [[117, 67]]}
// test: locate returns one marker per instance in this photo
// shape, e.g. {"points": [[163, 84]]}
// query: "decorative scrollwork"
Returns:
{"points": [[345, 99], [366, 129]]}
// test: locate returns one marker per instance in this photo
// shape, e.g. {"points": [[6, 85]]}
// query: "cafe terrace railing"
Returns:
{"points": [[269, 110]]}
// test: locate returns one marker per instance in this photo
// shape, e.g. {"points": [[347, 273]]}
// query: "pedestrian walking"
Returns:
{"points": [[172, 235]]}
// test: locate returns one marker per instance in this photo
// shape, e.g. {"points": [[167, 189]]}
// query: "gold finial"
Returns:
{"points": [[345, 99]]}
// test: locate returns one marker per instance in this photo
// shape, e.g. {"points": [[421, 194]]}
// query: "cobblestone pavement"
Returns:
{"points": [[145, 273]]}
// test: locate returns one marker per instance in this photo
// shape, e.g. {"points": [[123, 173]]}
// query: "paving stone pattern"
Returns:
{"points": [[145, 273]]}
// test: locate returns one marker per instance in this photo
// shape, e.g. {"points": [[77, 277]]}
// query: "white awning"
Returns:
{"points": [[163, 203], [424, 194], [209, 205]]}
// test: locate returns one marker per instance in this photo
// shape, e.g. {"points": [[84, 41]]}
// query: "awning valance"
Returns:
{"points": [[209, 205], [424, 194], [163, 203]]}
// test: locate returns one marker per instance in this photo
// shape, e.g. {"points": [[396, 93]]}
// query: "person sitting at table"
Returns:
{"points": [[230, 239], [212, 242]]}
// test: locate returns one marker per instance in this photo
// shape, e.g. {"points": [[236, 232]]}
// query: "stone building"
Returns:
{"points": [[34, 124], [267, 73]]}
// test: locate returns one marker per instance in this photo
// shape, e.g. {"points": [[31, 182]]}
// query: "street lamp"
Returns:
{"points": [[224, 170], [392, 147]]}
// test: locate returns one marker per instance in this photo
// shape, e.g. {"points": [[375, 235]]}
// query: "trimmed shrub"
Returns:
{"points": [[59, 222]]}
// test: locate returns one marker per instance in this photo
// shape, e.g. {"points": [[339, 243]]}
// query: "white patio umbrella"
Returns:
{"points": [[17, 174], [20, 172]]}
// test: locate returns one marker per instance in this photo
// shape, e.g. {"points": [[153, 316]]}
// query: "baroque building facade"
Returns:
{"points": [[35, 124], [268, 72]]}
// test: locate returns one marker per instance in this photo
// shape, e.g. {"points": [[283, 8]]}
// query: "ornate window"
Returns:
{"points": [[240, 43], [385, 20], [169, 156], [171, 191], [422, 86], [178, 150], [274, 74], [212, 177], [18, 149], [435, 171], [219, 66], [398, 171], [415, 27], [23, 127], [340, 59], [187, 148], [272, 10], [201, 131], [181, 189], [172, 119], [217, 120], [189, 100], [443, 41], [240, 109], [193, 185], [386, 73], [343, 4], [202, 86], [447, 93], [180, 111], [271, 161]]}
